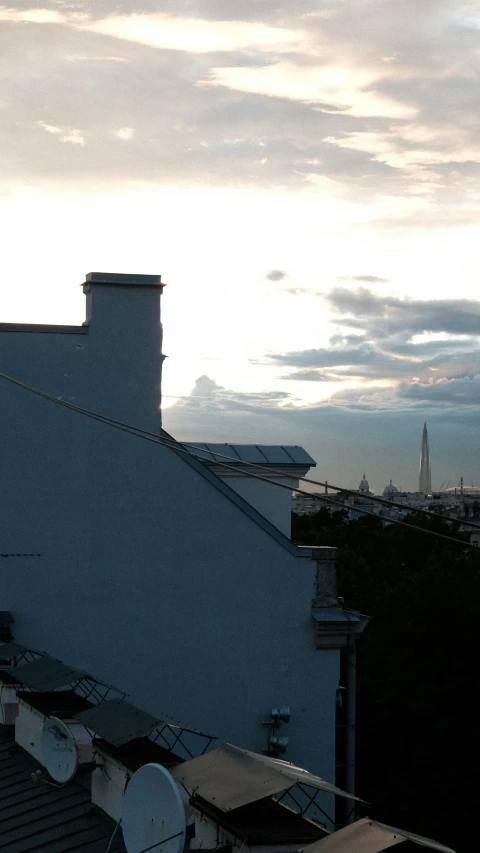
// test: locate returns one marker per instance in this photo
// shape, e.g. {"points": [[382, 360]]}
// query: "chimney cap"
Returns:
{"points": [[126, 279]]}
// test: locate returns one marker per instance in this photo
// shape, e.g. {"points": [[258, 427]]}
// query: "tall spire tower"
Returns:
{"points": [[425, 481]]}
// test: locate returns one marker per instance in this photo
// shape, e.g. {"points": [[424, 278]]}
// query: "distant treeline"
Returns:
{"points": [[418, 743]]}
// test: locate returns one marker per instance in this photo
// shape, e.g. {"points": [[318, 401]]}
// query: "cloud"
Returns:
{"points": [[326, 357], [308, 103], [370, 279], [384, 316], [462, 391], [194, 35], [276, 275], [332, 88], [207, 395], [390, 357], [309, 376]]}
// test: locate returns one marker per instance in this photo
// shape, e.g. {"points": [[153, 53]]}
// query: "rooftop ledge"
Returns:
{"points": [[44, 328], [125, 279]]}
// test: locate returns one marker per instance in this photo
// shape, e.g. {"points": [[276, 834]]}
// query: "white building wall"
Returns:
{"points": [[147, 575], [109, 781], [272, 502], [29, 730]]}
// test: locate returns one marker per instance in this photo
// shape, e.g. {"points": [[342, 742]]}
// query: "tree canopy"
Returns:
{"points": [[417, 722]]}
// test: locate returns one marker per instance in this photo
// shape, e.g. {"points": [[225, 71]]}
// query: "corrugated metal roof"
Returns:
{"points": [[260, 454], [369, 836], [54, 703], [11, 650], [265, 822], [35, 816], [118, 722], [48, 674], [230, 777], [135, 753]]}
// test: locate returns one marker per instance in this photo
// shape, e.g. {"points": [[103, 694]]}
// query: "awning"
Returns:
{"points": [[118, 722], [13, 650], [230, 777], [48, 674], [369, 836]]}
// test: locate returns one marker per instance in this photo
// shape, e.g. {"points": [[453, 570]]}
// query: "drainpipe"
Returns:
{"points": [[350, 703]]}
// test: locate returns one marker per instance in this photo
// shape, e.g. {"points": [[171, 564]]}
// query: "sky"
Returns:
{"points": [[303, 175]]}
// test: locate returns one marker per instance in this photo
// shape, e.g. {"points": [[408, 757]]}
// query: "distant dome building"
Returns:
{"points": [[390, 490], [364, 487], [467, 490]]}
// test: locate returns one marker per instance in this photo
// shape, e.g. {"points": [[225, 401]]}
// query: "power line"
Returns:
{"points": [[374, 498], [177, 447], [257, 465], [261, 466]]}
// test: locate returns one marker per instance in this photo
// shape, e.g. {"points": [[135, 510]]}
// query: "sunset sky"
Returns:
{"points": [[303, 175]]}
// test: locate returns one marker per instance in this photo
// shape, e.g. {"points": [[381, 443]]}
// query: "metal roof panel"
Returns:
{"points": [[261, 454], [118, 722], [335, 614], [229, 777], [38, 817], [48, 674], [11, 650], [369, 836]]}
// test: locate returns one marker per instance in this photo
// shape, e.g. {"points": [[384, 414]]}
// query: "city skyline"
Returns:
{"points": [[285, 167]]}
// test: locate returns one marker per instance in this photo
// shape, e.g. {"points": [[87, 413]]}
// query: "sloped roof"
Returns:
{"points": [[234, 497], [229, 777], [252, 454], [35, 816], [118, 722], [370, 836]]}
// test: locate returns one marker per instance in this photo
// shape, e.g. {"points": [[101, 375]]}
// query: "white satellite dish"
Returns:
{"points": [[59, 749], [153, 812], [65, 745]]}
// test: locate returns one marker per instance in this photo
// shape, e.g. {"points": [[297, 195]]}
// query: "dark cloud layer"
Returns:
{"points": [[388, 316], [444, 370], [276, 275], [345, 436]]}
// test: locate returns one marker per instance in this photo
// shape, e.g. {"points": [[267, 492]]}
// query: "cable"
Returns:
{"points": [[395, 521], [375, 498], [178, 448], [117, 825]]}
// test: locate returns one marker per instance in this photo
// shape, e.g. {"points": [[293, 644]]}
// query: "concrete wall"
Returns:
{"points": [[147, 575]]}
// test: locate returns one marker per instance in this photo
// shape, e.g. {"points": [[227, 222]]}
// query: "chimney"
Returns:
{"points": [[125, 347]]}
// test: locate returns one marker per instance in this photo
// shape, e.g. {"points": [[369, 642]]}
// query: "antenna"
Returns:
{"points": [[153, 812]]}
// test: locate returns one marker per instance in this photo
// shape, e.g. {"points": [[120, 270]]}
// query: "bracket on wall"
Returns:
{"points": [[277, 744]]}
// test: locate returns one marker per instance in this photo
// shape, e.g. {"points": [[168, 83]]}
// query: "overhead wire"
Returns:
{"points": [[286, 475], [327, 485], [178, 447], [258, 466]]}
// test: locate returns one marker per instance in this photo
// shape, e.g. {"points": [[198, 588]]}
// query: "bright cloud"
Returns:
{"points": [[257, 155], [125, 133], [345, 89]]}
